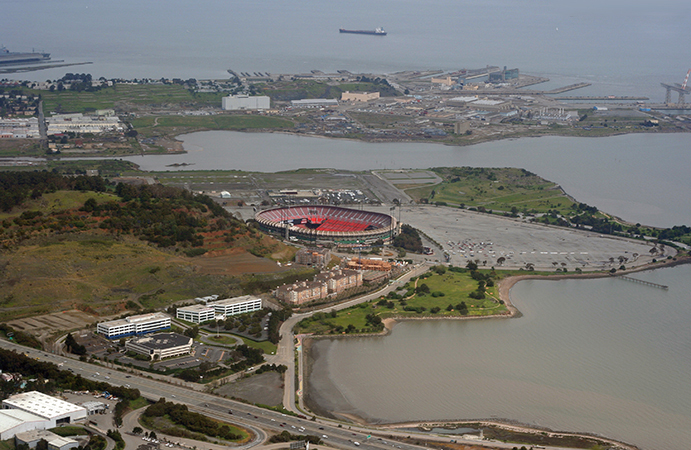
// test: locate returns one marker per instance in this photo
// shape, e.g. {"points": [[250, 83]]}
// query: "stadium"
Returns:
{"points": [[328, 224]]}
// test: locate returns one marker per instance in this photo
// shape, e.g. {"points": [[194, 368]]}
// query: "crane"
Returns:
{"points": [[680, 89]]}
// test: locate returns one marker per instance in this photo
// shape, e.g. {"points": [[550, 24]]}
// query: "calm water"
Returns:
{"points": [[641, 178], [606, 356], [623, 47]]}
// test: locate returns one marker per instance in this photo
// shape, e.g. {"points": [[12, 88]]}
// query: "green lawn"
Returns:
{"points": [[169, 125], [497, 189], [454, 285], [124, 96]]}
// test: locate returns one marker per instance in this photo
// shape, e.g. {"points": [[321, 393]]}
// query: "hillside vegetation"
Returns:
{"points": [[76, 242]]}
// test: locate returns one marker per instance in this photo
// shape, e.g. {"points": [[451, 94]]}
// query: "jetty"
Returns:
{"points": [[647, 283]]}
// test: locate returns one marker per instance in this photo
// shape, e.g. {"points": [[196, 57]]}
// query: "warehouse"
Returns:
{"points": [[245, 102], [55, 442], [53, 410]]}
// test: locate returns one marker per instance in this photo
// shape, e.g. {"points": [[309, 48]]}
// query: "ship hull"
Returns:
{"points": [[370, 32]]}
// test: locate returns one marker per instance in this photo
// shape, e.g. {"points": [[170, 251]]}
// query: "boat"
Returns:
{"points": [[9, 58], [376, 32]]}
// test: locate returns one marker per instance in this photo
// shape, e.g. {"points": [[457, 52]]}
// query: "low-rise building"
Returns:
{"points": [[54, 410], [79, 123], [161, 346], [196, 313], [303, 292], [318, 257], [134, 325], [13, 421], [338, 280], [245, 102], [55, 442]]}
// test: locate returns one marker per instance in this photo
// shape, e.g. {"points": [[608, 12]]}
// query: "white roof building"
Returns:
{"points": [[13, 421], [134, 325], [55, 442], [54, 410], [196, 313], [237, 305], [239, 102]]}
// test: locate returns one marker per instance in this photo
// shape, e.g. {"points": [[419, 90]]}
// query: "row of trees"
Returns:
{"points": [[194, 422]]}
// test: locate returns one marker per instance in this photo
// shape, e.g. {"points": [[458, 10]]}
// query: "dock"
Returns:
{"points": [[604, 97], [647, 283]]}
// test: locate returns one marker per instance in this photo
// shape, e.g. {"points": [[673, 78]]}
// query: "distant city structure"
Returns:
{"points": [[134, 325], [245, 102], [161, 346], [348, 96]]}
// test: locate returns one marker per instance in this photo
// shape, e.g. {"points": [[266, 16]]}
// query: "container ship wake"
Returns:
{"points": [[376, 32]]}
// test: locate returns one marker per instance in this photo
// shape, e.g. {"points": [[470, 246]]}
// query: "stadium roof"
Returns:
{"points": [[41, 404]]}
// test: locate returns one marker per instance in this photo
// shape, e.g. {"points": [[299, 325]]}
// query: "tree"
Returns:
{"points": [[500, 260], [137, 430]]}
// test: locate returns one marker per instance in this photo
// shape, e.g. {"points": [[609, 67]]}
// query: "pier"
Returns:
{"points": [[599, 98], [647, 283]]}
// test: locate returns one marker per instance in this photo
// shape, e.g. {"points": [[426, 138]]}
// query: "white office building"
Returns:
{"points": [[54, 410], [237, 305], [245, 102], [134, 325], [196, 313]]}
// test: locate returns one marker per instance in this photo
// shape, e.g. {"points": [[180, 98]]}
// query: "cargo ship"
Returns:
{"points": [[9, 58], [376, 32]]}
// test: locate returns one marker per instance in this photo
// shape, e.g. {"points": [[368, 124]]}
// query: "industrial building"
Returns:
{"points": [[55, 442], [245, 102], [52, 410], [500, 77], [160, 346], [196, 313], [348, 96], [314, 103], [236, 305], [79, 123], [19, 128], [134, 325]]}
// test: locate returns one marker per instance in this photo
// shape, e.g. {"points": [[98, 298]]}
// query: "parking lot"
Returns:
{"points": [[471, 236]]}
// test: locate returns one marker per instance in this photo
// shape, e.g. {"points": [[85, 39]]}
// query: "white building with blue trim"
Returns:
{"points": [[134, 325]]}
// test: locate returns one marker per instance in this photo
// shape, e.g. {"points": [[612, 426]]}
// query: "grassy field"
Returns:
{"points": [[58, 201], [229, 340], [172, 125], [455, 287], [126, 97], [495, 189]]}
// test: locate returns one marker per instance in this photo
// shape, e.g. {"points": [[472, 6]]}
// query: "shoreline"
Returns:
{"points": [[504, 291]]}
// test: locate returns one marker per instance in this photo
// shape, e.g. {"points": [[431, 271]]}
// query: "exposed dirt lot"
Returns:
{"points": [[265, 388]]}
